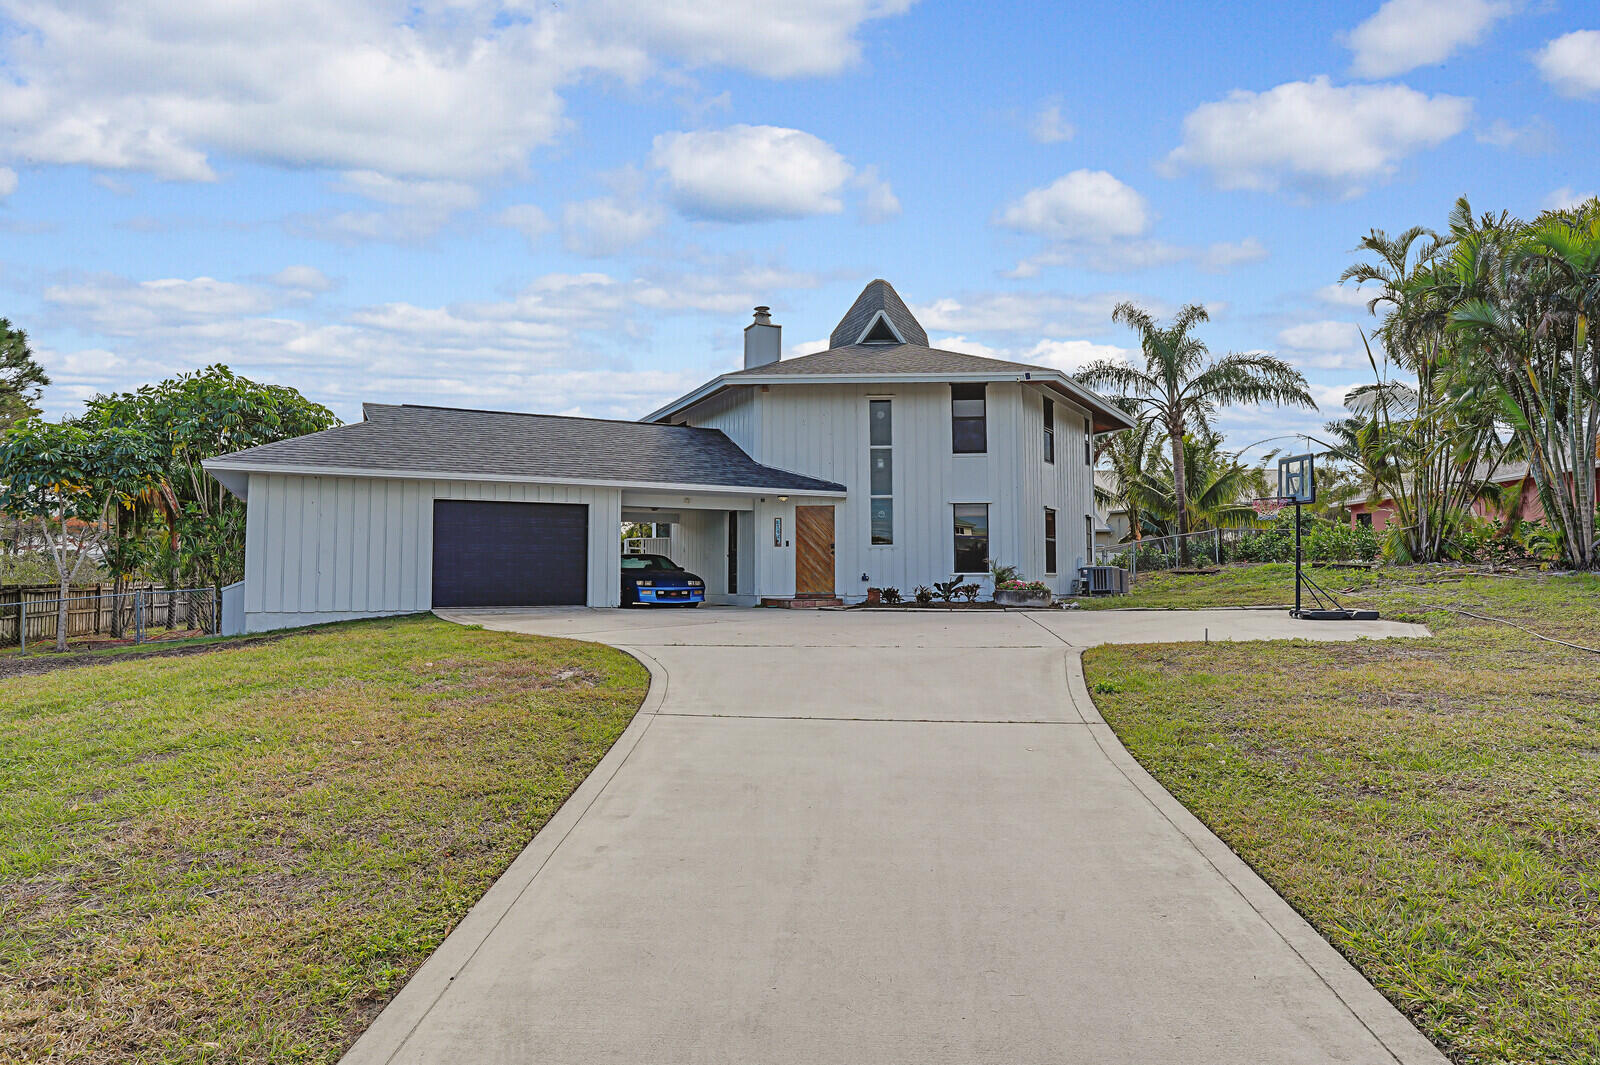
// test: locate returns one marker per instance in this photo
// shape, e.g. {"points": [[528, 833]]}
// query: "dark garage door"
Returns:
{"points": [[509, 554]]}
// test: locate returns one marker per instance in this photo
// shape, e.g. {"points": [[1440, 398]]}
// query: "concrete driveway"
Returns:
{"points": [[875, 837]]}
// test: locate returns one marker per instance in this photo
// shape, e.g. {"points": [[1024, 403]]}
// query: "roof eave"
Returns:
{"points": [[1107, 416], [219, 468]]}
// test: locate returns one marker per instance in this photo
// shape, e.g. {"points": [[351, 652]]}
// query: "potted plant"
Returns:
{"points": [[1022, 593], [874, 596]]}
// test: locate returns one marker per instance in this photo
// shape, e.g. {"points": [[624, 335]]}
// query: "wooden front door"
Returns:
{"points": [[813, 551]]}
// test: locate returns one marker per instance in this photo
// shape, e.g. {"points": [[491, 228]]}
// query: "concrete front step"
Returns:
{"points": [[802, 602]]}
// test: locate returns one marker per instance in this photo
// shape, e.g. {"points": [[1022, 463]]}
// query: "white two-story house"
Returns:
{"points": [[878, 462]]}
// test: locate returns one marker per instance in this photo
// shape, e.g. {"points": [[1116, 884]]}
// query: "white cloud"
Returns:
{"points": [[1571, 64], [1049, 126], [772, 40], [1225, 255], [526, 218], [451, 91], [1070, 356], [302, 278], [1345, 295], [1084, 205], [1028, 313], [1314, 135], [878, 201], [1405, 34], [443, 196], [8, 181], [750, 173], [807, 347], [1321, 336], [403, 225], [1534, 137], [607, 225], [970, 347], [118, 307], [1564, 197]]}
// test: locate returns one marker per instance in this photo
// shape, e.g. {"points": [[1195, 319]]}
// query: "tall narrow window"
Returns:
{"points": [[1049, 540], [1088, 441], [880, 457], [969, 432], [1088, 539], [971, 537], [1050, 431], [733, 552]]}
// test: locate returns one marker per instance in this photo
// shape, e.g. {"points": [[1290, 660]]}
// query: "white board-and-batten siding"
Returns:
{"points": [[822, 430], [321, 548]]}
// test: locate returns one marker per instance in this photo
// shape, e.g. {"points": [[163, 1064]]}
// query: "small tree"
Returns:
{"points": [[69, 479], [21, 378], [199, 416]]}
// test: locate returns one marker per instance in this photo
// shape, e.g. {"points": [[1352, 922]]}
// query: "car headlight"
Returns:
{"points": [[644, 584], [697, 584]]}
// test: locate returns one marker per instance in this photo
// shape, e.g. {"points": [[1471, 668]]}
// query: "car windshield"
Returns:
{"points": [[649, 562]]}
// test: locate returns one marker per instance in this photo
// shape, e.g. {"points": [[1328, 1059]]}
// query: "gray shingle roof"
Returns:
{"points": [[878, 296], [444, 441], [890, 359]]}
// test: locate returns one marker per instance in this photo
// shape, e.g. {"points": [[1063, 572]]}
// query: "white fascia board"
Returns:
{"points": [[216, 467]]}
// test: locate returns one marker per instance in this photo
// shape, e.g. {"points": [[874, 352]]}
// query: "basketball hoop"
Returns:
{"points": [[1267, 507]]}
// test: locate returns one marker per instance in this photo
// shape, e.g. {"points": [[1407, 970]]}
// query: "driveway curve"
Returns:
{"points": [[880, 837]]}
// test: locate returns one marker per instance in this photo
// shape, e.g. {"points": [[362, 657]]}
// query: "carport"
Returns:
{"points": [[416, 507]]}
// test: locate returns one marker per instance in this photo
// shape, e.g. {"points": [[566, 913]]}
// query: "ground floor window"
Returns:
{"points": [[972, 537], [1364, 518], [733, 552], [1049, 541]]}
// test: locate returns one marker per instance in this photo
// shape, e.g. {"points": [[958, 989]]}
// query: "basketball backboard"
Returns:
{"points": [[1297, 479]]}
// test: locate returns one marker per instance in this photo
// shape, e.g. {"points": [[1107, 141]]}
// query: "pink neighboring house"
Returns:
{"points": [[1376, 511]]}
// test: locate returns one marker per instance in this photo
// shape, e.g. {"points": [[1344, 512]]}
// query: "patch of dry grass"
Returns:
{"points": [[1432, 806], [240, 856]]}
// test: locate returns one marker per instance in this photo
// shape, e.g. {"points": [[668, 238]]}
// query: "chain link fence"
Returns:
{"points": [[1211, 547], [31, 618]]}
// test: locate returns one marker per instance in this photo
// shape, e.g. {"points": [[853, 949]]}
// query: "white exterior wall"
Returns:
{"points": [[323, 549], [822, 430]]}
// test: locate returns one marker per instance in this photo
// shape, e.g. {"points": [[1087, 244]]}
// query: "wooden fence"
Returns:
{"points": [[94, 611]]}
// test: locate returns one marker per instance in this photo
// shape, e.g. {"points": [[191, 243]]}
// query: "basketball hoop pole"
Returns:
{"points": [[1298, 557]]}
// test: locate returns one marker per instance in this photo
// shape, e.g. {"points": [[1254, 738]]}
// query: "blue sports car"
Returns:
{"points": [[656, 579]]}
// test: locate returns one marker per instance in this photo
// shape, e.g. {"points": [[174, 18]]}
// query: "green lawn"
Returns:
{"points": [[1432, 806], [240, 855]]}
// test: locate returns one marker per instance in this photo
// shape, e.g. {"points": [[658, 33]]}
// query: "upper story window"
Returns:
{"points": [[1050, 430], [969, 431], [1088, 441], [880, 458]]}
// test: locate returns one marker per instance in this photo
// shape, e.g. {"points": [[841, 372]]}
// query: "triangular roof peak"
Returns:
{"points": [[878, 304]]}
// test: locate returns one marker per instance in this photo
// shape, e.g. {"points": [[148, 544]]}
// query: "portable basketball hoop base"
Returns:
{"points": [[1297, 484]]}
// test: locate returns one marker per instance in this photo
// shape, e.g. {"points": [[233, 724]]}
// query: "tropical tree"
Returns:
{"points": [[1181, 388], [1126, 456], [1217, 487], [1425, 438], [1522, 300], [69, 479], [21, 378], [195, 417]]}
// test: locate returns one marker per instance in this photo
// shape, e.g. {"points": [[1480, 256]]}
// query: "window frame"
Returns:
{"points": [[874, 446], [1049, 412], [956, 538], [981, 388], [1051, 554]]}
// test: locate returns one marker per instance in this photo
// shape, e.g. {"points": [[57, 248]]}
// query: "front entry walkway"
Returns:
{"points": [[875, 837]]}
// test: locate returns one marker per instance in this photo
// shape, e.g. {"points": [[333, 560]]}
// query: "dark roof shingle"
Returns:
{"points": [[878, 296], [445, 441]]}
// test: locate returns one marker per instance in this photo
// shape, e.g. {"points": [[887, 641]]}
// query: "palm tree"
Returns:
{"points": [[1128, 455], [1216, 486], [1181, 391]]}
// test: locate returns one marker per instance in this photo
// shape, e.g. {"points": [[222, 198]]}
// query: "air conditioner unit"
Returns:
{"points": [[1103, 580]]}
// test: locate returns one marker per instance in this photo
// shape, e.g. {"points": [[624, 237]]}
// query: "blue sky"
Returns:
{"points": [[573, 206]]}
